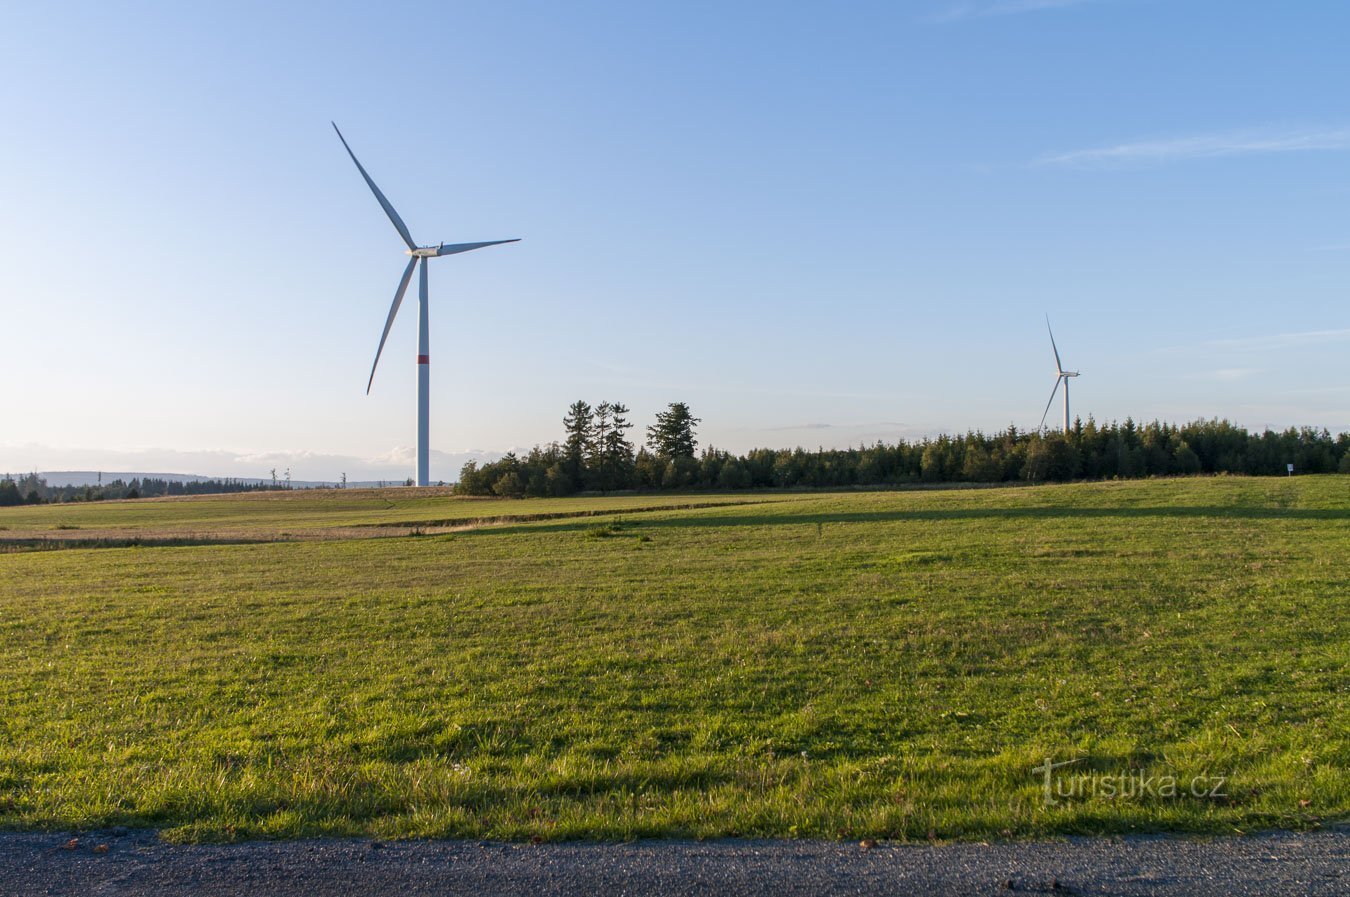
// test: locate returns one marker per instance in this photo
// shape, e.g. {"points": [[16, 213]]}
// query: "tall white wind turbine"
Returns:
{"points": [[416, 254], [1061, 376]]}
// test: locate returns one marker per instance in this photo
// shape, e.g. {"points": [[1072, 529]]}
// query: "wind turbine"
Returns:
{"points": [[1061, 376], [416, 254]]}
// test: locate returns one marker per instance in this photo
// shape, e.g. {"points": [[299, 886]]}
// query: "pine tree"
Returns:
{"points": [[579, 445], [672, 436], [616, 452], [597, 474]]}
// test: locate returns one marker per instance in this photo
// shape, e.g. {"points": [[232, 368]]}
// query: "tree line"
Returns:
{"points": [[596, 455], [32, 489]]}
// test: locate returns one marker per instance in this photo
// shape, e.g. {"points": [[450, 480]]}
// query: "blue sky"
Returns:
{"points": [[817, 224]]}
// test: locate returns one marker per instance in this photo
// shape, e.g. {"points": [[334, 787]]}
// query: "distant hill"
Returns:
{"points": [[59, 478], [91, 477]]}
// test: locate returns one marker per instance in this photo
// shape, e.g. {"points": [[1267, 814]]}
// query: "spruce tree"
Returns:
{"points": [[615, 451], [580, 442], [597, 474], [672, 436]]}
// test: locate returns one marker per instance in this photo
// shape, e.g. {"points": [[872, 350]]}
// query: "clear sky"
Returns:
{"points": [[816, 223]]}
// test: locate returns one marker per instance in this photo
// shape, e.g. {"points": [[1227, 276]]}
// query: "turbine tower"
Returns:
{"points": [[417, 254], [1061, 376]]}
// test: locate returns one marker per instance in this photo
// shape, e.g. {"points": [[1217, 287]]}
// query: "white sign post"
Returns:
{"points": [[1291, 469]]}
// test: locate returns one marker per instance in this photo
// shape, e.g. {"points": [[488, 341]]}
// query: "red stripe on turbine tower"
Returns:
{"points": [[424, 359]]}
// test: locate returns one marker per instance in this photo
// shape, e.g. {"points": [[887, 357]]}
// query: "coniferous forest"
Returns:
{"points": [[32, 489], [597, 454]]}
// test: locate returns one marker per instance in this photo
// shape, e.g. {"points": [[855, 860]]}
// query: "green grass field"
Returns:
{"points": [[287, 516], [877, 664]]}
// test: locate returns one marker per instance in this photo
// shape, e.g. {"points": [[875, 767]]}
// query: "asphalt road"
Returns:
{"points": [[137, 863]]}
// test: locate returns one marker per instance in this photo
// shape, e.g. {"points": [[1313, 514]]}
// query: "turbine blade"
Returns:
{"points": [[384, 203], [1049, 403], [1059, 368], [393, 310], [469, 247]]}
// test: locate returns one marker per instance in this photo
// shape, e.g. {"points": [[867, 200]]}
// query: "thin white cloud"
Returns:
{"points": [[1267, 342], [825, 426], [1001, 8], [1204, 146], [1283, 340], [1227, 375]]}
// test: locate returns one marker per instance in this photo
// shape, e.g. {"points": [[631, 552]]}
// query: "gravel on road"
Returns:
{"points": [[122, 862]]}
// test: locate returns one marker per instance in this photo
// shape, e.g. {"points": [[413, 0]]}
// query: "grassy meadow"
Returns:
{"points": [[868, 664], [292, 515]]}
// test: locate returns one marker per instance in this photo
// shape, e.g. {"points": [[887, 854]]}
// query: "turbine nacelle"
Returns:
{"points": [[432, 252]]}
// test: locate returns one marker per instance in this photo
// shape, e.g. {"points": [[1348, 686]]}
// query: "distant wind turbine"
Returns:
{"points": [[1061, 376], [422, 254]]}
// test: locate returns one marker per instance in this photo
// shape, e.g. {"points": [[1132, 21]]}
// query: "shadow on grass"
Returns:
{"points": [[1217, 512], [40, 543], [501, 519]]}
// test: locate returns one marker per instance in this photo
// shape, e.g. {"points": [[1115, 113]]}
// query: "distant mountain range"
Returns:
{"points": [[92, 478]]}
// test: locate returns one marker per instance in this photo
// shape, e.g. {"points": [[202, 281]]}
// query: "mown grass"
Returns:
{"points": [[848, 665], [272, 515]]}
